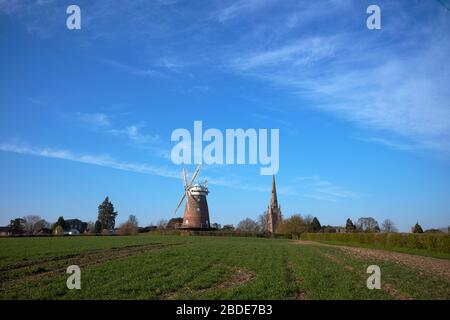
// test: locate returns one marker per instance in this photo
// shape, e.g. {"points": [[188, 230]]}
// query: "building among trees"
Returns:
{"points": [[74, 226], [274, 217]]}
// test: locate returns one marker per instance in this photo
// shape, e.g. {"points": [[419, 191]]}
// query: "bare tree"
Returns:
{"points": [[262, 222], [248, 225], [41, 224], [132, 220], [308, 219], [30, 222], [90, 227], [368, 224], [130, 227], [388, 226], [162, 224]]}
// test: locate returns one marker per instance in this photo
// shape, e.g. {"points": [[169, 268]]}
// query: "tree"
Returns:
{"points": [[60, 223], [98, 227], [40, 225], [174, 223], [133, 221], [308, 219], [130, 227], [107, 215], [294, 225], [262, 222], [417, 228], [315, 225], [228, 227], [127, 229], [17, 226], [30, 222], [328, 229], [248, 225], [388, 226], [162, 224], [349, 226], [90, 228], [368, 224], [215, 225]]}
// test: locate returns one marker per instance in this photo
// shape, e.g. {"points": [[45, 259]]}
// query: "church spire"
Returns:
{"points": [[273, 199], [274, 218]]}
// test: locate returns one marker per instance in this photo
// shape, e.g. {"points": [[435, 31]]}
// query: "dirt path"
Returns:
{"points": [[422, 264]]}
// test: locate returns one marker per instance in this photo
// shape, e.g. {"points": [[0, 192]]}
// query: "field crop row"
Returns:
{"points": [[171, 267]]}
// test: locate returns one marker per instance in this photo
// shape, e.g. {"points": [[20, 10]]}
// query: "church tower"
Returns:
{"points": [[274, 211]]}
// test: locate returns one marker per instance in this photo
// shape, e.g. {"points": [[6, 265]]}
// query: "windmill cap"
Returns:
{"points": [[198, 188]]}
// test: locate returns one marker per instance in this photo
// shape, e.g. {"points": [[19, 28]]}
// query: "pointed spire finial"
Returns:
{"points": [[273, 199]]}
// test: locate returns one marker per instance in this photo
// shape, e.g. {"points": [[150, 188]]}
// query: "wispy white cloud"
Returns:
{"points": [[35, 24], [144, 72], [300, 53], [12, 6], [36, 101], [391, 143], [240, 7], [285, 125], [399, 88], [99, 160], [134, 134], [390, 81], [317, 188], [143, 168], [94, 119], [168, 64], [103, 123]]}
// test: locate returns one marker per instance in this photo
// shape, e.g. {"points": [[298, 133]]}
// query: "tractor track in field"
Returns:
{"points": [[49, 267], [293, 278], [239, 277], [385, 286], [422, 264], [25, 264], [299, 294]]}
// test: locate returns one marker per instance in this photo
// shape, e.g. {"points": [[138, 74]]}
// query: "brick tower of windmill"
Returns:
{"points": [[196, 213], [274, 217]]}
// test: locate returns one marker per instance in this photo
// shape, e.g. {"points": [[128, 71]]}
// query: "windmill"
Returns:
{"points": [[196, 213]]}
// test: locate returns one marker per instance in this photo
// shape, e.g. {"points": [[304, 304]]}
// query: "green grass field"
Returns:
{"points": [[177, 267]]}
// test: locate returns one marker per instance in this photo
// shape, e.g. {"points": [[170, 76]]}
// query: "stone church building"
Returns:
{"points": [[274, 217]]}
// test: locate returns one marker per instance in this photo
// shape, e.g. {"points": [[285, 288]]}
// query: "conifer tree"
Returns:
{"points": [[349, 226], [417, 228], [107, 215], [315, 225]]}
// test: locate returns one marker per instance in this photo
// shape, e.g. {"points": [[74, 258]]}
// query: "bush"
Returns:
{"points": [[429, 241], [293, 226], [128, 229]]}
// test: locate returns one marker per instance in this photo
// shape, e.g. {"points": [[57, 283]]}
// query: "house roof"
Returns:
{"points": [[73, 220]]}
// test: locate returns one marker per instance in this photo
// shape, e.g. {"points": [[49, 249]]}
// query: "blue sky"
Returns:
{"points": [[364, 115]]}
